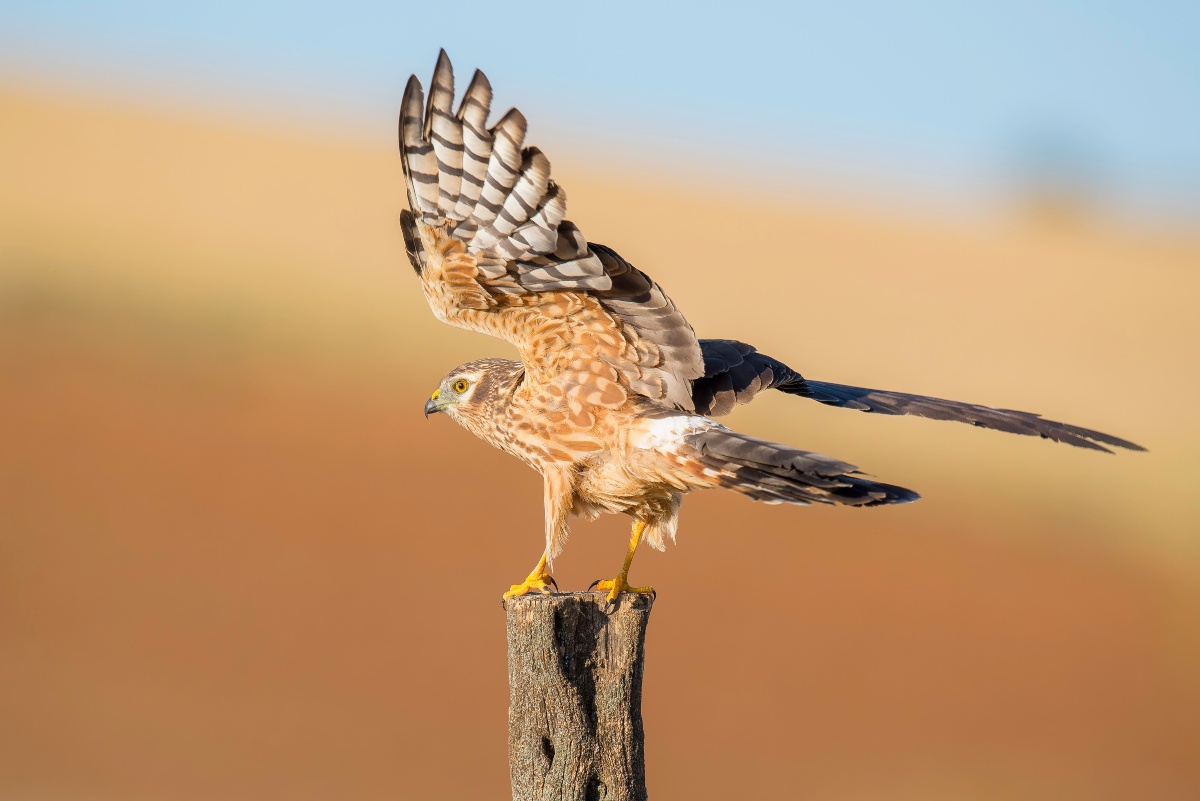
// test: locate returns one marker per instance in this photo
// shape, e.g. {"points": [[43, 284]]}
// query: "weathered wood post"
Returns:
{"points": [[575, 697]]}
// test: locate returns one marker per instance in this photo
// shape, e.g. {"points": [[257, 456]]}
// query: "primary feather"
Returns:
{"points": [[736, 373]]}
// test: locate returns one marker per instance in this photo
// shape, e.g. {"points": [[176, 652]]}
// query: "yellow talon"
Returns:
{"points": [[537, 581], [621, 583]]}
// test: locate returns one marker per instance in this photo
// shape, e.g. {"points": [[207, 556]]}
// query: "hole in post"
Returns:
{"points": [[548, 751], [594, 790]]}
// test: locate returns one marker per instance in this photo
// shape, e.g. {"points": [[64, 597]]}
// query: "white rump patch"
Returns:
{"points": [[667, 433]]}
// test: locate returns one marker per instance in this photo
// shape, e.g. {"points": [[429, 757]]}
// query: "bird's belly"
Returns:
{"points": [[609, 485]]}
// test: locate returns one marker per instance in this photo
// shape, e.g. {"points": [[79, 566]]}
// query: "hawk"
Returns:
{"points": [[613, 398]]}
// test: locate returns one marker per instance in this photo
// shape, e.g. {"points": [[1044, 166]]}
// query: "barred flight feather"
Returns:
{"points": [[523, 200], [477, 143], [484, 188], [444, 132], [504, 166], [420, 164]]}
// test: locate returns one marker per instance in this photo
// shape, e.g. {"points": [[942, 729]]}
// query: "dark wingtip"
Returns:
{"points": [[410, 88], [879, 493], [1086, 438], [443, 63], [412, 239], [1010, 421], [1127, 445], [479, 78], [898, 495]]}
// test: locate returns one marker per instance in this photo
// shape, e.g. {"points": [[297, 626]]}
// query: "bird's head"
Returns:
{"points": [[469, 394]]}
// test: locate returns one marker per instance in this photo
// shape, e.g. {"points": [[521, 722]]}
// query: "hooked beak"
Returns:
{"points": [[432, 406]]}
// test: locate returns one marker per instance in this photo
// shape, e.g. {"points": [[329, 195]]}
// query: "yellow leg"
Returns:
{"points": [[621, 583], [537, 581]]}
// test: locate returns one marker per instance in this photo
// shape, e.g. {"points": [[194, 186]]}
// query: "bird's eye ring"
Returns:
{"points": [[460, 386]]}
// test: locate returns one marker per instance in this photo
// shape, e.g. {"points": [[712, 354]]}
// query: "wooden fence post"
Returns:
{"points": [[575, 697]]}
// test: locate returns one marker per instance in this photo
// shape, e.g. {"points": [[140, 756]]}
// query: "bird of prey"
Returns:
{"points": [[613, 398]]}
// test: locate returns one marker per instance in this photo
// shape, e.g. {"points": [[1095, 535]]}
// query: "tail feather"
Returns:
{"points": [[773, 473]]}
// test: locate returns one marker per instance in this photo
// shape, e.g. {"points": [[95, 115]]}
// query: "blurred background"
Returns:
{"points": [[236, 562]]}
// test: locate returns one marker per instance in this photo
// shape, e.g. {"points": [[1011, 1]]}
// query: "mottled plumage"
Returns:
{"points": [[613, 396]]}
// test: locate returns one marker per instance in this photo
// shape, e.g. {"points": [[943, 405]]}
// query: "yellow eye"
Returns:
{"points": [[460, 386]]}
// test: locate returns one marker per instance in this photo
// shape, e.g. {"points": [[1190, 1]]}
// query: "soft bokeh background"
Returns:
{"points": [[235, 562]]}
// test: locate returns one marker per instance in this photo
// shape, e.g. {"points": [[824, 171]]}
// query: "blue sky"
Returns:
{"points": [[951, 96]]}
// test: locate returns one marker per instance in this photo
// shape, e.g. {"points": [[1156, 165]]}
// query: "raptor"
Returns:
{"points": [[614, 396]]}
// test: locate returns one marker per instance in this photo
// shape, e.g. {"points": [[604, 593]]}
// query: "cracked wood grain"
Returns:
{"points": [[575, 697]]}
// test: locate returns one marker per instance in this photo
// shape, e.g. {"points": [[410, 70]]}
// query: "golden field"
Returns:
{"points": [[236, 562]]}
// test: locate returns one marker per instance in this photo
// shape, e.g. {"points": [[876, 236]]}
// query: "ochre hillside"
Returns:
{"points": [[224, 521]]}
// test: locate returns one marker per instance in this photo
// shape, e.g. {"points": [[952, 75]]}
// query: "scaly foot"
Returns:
{"points": [[615, 587], [537, 581]]}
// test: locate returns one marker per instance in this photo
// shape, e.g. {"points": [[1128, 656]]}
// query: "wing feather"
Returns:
{"points": [[487, 232], [504, 166], [419, 161], [444, 132], [477, 143], [735, 373], [489, 237]]}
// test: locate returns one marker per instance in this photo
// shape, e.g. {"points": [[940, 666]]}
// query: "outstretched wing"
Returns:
{"points": [[735, 373], [487, 234]]}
